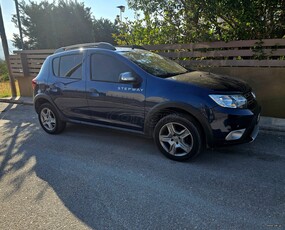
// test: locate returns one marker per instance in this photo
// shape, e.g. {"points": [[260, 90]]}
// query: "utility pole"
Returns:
{"points": [[19, 24], [6, 53]]}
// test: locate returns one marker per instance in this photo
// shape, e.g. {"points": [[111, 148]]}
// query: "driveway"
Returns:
{"points": [[94, 178]]}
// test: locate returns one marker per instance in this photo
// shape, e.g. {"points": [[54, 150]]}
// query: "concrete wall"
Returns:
{"points": [[267, 83]]}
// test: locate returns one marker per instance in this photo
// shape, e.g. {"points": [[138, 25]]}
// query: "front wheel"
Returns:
{"points": [[178, 137], [49, 119]]}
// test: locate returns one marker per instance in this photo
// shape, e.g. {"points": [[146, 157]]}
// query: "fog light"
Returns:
{"points": [[235, 135]]}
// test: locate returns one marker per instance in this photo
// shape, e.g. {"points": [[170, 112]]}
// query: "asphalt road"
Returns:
{"points": [[94, 178]]}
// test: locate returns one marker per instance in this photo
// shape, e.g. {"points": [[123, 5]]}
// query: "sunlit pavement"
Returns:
{"points": [[94, 178]]}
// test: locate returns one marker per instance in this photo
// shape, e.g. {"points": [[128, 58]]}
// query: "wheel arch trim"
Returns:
{"points": [[40, 97]]}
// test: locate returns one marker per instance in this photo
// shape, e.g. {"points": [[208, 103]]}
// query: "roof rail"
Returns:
{"points": [[101, 45], [134, 47]]}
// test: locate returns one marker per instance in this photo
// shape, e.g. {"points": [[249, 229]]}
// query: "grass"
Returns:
{"points": [[5, 90]]}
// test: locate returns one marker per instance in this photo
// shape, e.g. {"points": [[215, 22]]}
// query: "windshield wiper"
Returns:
{"points": [[166, 75], [171, 74]]}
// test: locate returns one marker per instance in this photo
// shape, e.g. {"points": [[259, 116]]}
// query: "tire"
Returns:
{"points": [[178, 137], [49, 119]]}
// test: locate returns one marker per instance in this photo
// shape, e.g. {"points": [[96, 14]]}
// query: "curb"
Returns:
{"points": [[270, 128], [272, 124], [266, 123], [21, 101]]}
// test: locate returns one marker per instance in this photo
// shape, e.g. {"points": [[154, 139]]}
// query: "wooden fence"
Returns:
{"points": [[246, 53], [28, 63]]}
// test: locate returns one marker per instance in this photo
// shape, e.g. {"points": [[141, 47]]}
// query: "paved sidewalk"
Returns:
{"points": [[266, 123]]}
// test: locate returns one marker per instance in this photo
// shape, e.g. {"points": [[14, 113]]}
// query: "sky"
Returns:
{"points": [[100, 8]]}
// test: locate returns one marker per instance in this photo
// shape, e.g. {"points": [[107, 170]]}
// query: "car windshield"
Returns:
{"points": [[154, 64]]}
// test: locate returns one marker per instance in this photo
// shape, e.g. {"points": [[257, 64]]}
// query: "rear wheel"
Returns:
{"points": [[178, 137], [49, 119]]}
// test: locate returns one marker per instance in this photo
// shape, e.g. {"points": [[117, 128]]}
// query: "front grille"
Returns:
{"points": [[251, 102]]}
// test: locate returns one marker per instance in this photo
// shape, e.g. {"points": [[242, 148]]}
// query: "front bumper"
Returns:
{"points": [[234, 126], [254, 133]]}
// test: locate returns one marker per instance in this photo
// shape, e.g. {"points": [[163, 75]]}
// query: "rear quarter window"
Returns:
{"points": [[68, 66]]}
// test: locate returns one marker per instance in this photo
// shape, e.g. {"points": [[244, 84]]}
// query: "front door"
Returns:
{"points": [[110, 101]]}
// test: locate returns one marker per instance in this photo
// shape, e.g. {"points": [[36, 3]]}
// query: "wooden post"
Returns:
{"points": [[6, 53], [24, 62]]}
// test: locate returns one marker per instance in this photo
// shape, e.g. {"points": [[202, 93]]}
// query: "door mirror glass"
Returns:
{"points": [[127, 77]]}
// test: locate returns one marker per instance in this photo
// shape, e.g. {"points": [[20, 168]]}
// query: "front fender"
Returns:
{"points": [[200, 115]]}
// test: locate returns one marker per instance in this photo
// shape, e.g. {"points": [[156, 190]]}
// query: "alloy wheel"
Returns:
{"points": [[48, 119], [176, 139]]}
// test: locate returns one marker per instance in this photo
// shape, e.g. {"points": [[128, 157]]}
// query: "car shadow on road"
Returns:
{"points": [[111, 179], [14, 157]]}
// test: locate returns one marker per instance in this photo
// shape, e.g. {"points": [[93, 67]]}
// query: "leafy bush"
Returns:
{"points": [[3, 71]]}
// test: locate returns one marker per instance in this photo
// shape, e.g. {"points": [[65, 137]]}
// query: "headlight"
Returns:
{"points": [[230, 101]]}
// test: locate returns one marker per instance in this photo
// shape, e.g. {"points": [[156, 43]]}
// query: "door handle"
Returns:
{"points": [[94, 92]]}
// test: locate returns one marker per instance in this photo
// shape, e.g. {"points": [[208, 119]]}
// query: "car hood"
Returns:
{"points": [[212, 81]]}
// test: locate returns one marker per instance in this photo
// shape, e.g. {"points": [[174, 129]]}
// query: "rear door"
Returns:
{"points": [[67, 85], [110, 101]]}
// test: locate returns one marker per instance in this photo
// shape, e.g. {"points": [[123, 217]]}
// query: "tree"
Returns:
{"points": [[246, 19], [184, 21], [51, 25], [104, 30]]}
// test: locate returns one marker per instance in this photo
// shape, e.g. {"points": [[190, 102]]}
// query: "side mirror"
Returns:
{"points": [[127, 77]]}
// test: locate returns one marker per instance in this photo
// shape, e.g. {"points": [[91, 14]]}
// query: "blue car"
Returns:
{"points": [[132, 89]]}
